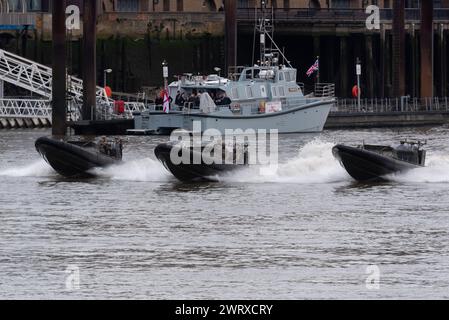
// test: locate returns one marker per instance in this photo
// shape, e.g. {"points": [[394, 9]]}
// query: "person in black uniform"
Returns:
{"points": [[222, 100], [226, 101], [179, 100]]}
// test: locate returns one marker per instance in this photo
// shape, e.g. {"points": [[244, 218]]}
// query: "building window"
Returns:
{"points": [[128, 5], [412, 4], [281, 91], [243, 4], [210, 5], [249, 92], [235, 93], [341, 3], [166, 5], [314, 4], [293, 74], [15, 5], [263, 92], [281, 76], [180, 5], [34, 5], [23, 5], [286, 4]]}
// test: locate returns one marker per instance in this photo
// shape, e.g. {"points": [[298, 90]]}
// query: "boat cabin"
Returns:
{"points": [[406, 151], [410, 152], [257, 90]]}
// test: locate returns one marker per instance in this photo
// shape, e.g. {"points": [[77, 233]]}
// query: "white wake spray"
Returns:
{"points": [[313, 164], [136, 170], [436, 171], [38, 168]]}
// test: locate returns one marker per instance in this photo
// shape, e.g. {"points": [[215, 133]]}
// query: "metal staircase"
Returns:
{"points": [[37, 78]]}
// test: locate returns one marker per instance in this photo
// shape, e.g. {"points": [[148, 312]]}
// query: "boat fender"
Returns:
{"points": [[234, 107], [119, 107], [262, 107]]}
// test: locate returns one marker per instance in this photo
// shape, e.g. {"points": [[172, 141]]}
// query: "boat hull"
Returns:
{"points": [[364, 165], [70, 160], [306, 118], [190, 172]]}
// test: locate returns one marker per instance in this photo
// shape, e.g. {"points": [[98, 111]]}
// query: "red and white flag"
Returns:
{"points": [[312, 69], [166, 104]]}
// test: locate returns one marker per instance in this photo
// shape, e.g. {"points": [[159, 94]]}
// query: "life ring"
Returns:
{"points": [[108, 91], [355, 91]]}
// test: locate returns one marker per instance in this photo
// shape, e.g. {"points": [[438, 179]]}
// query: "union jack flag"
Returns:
{"points": [[315, 67], [166, 103]]}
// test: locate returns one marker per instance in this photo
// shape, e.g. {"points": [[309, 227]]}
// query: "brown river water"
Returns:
{"points": [[305, 230]]}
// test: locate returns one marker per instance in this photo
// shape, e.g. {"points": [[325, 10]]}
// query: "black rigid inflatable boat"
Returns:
{"points": [[375, 162], [77, 158], [204, 168]]}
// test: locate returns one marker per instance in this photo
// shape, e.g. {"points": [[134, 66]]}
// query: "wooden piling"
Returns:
{"points": [[426, 49], [89, 59], [59, 68], [398, 48], [231, 32]]}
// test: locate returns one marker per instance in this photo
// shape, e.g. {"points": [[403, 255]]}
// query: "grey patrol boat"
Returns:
{"points": [[265, 96]]}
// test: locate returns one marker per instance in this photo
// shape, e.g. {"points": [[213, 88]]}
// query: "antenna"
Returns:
{"points": [[272, 26], [262, 30], [269, 54], [254, 37]]}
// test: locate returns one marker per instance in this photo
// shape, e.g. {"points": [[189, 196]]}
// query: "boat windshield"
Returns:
{"points": [[207, 104], [407, 152], [257, 73], [205, 99]]}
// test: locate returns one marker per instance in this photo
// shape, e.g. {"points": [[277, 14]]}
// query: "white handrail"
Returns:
{"points": [[25, 108], [37, 78]]}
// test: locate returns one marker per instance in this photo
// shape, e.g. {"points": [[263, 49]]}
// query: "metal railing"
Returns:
{"points": [[197, 17], [325, 90], [17, 19], [389, 105], [37, 78], [336, 14], [131, 107], [130, 97], [234, 72], [105, 110], [25, 108]]}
